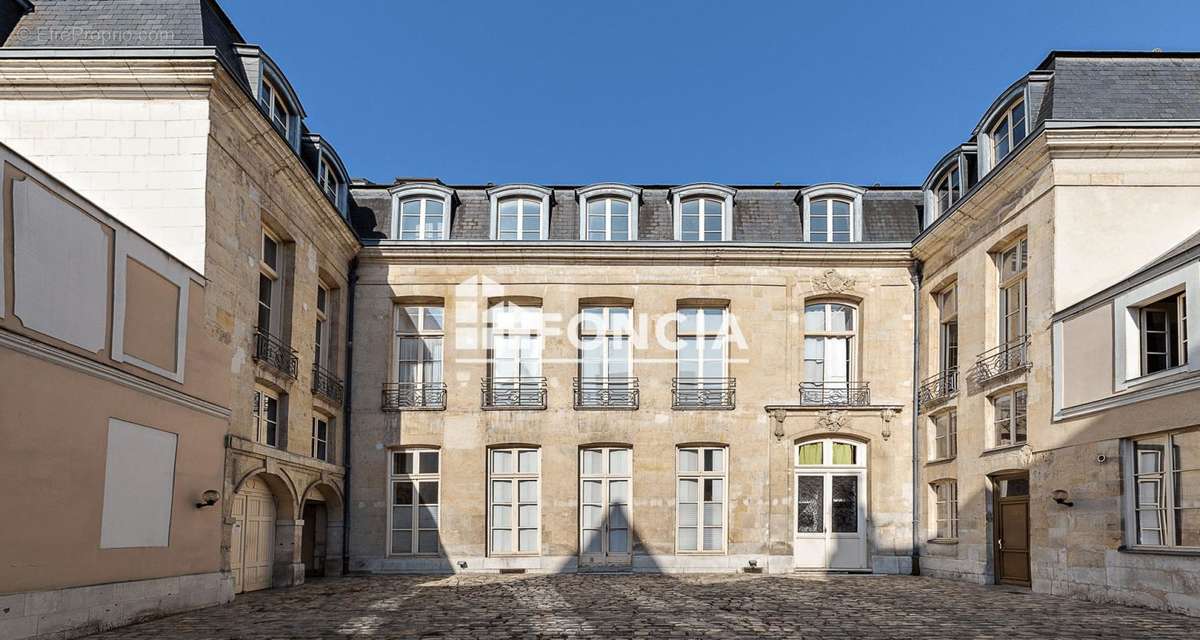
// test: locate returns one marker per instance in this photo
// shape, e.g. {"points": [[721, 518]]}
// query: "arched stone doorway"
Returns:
{"points": [[322, 536], [262, 545]]}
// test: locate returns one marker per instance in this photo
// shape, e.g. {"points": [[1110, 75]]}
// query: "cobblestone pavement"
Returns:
{"points": [[654, 606]]}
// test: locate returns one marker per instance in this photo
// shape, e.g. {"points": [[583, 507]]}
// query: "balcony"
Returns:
{"points": [[326, 384], [513, 393], [937, 389], [703, 393], [835, 394], [399, 396], [606, 393], [1006, 358], [271, 351]]}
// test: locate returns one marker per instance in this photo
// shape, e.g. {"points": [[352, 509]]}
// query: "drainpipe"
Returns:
{"points": [[915, 270], [346, 414]]}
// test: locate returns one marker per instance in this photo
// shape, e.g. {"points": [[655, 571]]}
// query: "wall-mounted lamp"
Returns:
{"points": [[753, 563], [462, 564], [208, 499], [1061, 497]]}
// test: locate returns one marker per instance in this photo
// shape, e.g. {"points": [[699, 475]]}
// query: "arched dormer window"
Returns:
{"points": [[832, 213], [421, 211], [1008, 130], [520, 212], [1005, 124], [608, 211], [951, 178], [703, 212], [276, 97]]}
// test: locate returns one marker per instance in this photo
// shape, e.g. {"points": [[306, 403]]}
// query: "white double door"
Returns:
{"points": [[830, 519], [605, 496]]}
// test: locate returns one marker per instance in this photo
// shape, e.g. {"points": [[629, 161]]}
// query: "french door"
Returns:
{"points": [[605, 495], [830, 506]]}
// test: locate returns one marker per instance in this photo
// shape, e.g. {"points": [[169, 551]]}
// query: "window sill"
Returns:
{"points": [[1003, 449], [1193, 552], [940, 460], [699, 553], [945, 541]]}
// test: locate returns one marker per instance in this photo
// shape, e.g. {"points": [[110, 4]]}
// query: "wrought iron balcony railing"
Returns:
{"points": [[1006, 358], [414, 395], [703, 393], [937, 388], [606, 393], [326, 384], [514, 393], [272, 352], [835, 394]]}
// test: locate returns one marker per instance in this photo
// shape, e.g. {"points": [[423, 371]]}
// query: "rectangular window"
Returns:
{"points": [[604, 348], [321, 339], [945, 435], [320, 438], [329, 180], [1008, 131], [946, 509], [702, 337], [272, 102], [1009, 418], [1163, 483], [700, 499], [1163, 329], [420, 334], [415, 500], [265, 417], [948, 189], [948, 306], [515, 366], [1013, 264], [514, 500], [828, 343], [270, 288]]}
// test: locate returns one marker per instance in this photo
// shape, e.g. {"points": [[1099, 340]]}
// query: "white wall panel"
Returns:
{"points": [[139, 481]]}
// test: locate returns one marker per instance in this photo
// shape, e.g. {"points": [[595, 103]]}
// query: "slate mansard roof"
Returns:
{"points": [[760, 213]]}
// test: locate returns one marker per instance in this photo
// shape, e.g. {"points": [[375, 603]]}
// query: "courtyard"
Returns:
{"points": [[656, 606]]}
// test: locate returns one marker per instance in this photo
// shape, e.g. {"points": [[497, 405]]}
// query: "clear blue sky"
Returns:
{"points": [[671, 91]]}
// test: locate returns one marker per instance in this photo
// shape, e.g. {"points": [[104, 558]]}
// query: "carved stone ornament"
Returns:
{"points": [[779, 415], [831, 281], [832, 420]]}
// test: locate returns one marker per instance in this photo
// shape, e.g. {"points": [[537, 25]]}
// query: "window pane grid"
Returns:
{"points": [[419, 339], [830, 220], [519, 219], [702, 219], [946, 509], [416, 505], [700, 499], [422, 218], [1166, 504], [514, 521]]}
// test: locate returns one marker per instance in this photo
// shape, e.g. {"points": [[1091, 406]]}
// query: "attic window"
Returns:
{"points": [[1008, 130], [948, 188], [328, 179], [277, 111]]}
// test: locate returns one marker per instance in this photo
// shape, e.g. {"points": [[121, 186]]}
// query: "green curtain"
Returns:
{"points": [[810, 453], [843, 453]]}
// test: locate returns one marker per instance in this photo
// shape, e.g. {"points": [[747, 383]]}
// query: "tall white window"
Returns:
{"points": [[1163, 490], [945, 509], [608, 219], [519, 218], [1008, 131], [948, 307], [420, 335], [830, 220], [265, 417], [277, 111], [605, 486], [321, 437], [829, 332], [1010, 425], [945, 435], [515, 366], [1163, 328], [702, 367], [702, 219], [270, 286], [605, 358], [1013, 264], [700, 499], [422, 219], [948, 189], [321, 339], [415, 515], [514, 497]]}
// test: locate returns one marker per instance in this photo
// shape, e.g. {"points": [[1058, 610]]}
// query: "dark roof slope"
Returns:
{"points": [[760, 214], [1110, 87]]}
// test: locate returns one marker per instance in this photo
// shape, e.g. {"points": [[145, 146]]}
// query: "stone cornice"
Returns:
{"points": [[1121, 140], [105, 77], [488, 252]]}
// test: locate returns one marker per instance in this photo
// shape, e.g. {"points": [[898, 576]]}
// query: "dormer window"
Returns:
{"points": [[1008, 130], [608, 212], [703, 213], [832, 213], [328, 179], [421, 212], [276, 108], [948, 189], [520, 212]]}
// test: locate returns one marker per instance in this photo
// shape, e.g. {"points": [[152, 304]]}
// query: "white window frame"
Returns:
{"points": [[1127, 323], [837, 191], [952, 178], [608, 191], [272, 272], [703, 332], [826, 335], [499, 330], [421, 333], [1011, 396], [279, 114], [428, 191], [259, 416], [605, 476], [943, 428], [1014, 283], [1005, 119], [1165, 481], [514, 478], [709, 191], [606, 334], [947, 301], [700, 475], [417, 476], [318, 441], [525, 193], [330, 181], [945, 509], [321, 344]]}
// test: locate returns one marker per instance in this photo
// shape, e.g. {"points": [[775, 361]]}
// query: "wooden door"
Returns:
{"points": [[1012, 530], [257, 536]]}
